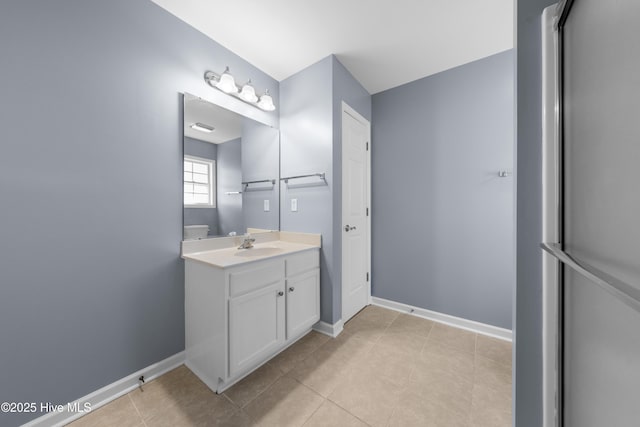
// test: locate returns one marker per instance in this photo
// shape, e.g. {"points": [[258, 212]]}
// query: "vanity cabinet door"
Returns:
{"points": [[256, 326], [303, 302]]}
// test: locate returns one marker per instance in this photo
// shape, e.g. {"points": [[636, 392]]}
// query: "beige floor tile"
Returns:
{"points": [[179, 398], [237, 419], [447, 389], [169, 389], [352, 348], [415, 411], [322, 371], [286, 360], [494, 349], [380, 316], [331, 415], [212, 410], [413, 324], [389, 362], [250, 387], [490, 409], [494, 375], [386, 368], [453, 337], [488, 397], [371, 398], [402, 342], [285, 403], [448, 359], [487, 418], [364, 329], [120, 412]]}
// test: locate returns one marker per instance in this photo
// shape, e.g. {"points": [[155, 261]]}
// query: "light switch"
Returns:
{"points": [[294, 205], [266, 205]]}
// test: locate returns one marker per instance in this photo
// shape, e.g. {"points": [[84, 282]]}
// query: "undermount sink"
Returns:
{"points": [[256, 252]]}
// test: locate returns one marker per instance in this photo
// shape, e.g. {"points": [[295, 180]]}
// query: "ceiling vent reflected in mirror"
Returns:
{"points": [[202, 127], [201, 115], [226, 83]]}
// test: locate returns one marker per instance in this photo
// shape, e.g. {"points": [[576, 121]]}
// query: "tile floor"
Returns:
{"points": [[385, 369]]}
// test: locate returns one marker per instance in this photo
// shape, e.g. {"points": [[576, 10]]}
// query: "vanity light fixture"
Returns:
{"points": [[202, 127], [227, 84]]}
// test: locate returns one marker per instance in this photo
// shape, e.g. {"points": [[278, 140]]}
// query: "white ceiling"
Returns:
{"points": [[227, 124], [382, 43]]}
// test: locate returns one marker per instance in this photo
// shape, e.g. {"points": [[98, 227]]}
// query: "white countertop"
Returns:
{"points": [[228, 257]]}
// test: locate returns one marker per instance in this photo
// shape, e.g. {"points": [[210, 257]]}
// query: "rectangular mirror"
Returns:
{"points": [[231, 172]]}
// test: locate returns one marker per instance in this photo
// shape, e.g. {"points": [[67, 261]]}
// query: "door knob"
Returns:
{"points": [[291, 289], [346, 228], [280, 293]]}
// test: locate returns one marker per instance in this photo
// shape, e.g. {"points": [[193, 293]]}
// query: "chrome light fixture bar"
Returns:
{"points": [[226, 83]]}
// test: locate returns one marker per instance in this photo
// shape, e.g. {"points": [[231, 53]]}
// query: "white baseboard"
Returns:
{"points": [[329, 329], [458, 322], [107, 393]]}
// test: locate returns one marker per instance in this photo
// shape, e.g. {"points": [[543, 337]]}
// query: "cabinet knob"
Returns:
{"points": [[280, 293], [291, 289]]}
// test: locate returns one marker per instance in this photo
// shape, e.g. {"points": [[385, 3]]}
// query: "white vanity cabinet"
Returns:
{"points": [[256, 314], [303, 292], [238, 317]]}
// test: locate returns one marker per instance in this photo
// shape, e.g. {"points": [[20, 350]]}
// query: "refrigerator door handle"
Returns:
{"points": [[626, 293]]}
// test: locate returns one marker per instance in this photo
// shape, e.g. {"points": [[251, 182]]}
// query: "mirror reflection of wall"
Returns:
{"points": [[232, 150]]}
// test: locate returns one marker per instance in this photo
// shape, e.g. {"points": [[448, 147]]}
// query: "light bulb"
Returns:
{"points": [[227, 83], [266, 102], [248, 93]]}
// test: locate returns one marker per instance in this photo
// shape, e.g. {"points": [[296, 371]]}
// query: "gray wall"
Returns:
{"points": [[344, 88], [310, 135], [306, 147], [528, 305], [92, 285], [229, 178], [442, 219], [260, 160], [198, 216]]}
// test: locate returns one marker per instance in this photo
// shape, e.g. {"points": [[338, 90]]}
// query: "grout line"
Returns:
{"points": [[282, 374], [347, 411], [231, 401], [137, 410], [316, 410]]}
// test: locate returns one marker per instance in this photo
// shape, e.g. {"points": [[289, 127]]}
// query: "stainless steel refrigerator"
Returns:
{"points": [[591, 174]]}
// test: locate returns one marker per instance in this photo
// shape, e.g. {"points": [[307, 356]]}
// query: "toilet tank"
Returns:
{"points": [[195, 232]]}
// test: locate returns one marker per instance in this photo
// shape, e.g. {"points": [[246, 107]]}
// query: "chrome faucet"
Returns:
{"points": [[248, 242]]}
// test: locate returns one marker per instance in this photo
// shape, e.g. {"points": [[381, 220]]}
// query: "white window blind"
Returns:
{"points": [[199, 185]]}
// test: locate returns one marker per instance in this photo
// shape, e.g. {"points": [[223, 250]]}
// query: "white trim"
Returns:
{"points": [[458, 322], [108, 393], [329, 329]]}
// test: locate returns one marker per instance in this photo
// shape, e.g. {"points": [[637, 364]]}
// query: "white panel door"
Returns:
{"points": [[256, 326], [303, 302], [355, 224]]}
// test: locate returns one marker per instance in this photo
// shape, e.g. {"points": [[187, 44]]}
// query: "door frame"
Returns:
{"points": [[347, 109], [553, 18], [550, 217]]}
